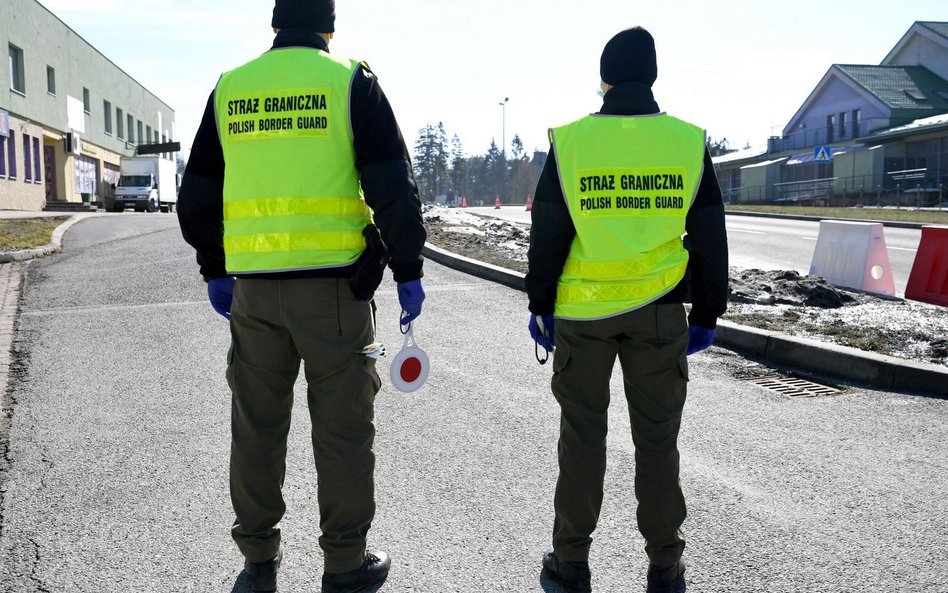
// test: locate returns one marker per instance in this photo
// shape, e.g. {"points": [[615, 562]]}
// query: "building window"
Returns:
{"points": [[830, 127], [50, 80], [131, 132], [842, 125], [86, 101], [856, 114], [37, 176], [84, 169], [107, 114], [11, 155], [3, 158], [148, 134], [119, 123], [140, 136], [17, 76], [27, 162]]}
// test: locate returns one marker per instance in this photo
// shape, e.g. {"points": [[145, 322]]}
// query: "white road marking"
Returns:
{"points": [[743, 231]]}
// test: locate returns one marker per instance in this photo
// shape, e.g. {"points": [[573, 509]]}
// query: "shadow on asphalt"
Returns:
{"points": [[242, 585]]}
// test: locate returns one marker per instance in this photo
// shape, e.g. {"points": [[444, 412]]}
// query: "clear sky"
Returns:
{"points": [[739, 68]]}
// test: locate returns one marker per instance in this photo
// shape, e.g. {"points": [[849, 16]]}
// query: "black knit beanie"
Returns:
{"points": [[629, 57], [316, 16]]}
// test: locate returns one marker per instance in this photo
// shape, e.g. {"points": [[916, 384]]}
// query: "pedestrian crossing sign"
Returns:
{"points": [[822, 154]]}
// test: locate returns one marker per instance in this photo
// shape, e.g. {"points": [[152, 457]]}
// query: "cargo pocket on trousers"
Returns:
{"points": [[683, 367], [560, 358], [367, 384]]}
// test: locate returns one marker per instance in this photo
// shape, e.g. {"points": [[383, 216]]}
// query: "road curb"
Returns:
{"points": [[54, 246], [840, 362], [889, 223]]}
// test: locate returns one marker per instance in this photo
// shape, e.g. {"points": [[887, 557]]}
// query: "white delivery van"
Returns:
{"points": [[147, 184]]}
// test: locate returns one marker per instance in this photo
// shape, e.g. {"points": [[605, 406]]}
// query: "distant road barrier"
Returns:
{"points": [[928, 281], [854, 255]]}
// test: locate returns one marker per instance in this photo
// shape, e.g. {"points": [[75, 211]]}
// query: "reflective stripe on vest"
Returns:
{"points": [[629, 183], [292, 199]]}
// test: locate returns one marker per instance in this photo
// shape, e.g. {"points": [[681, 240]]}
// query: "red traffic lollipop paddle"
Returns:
{"points": [[410, 366]]}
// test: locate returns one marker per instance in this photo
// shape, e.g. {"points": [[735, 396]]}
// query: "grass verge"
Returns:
{"points": [[27, 233]]}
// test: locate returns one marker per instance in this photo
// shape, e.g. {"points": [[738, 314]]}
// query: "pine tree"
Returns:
{"points": [[430, 161], [458, 173], [521, 179], [495, 172]]}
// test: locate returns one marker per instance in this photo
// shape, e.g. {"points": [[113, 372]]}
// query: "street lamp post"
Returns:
{"points": [[503, 139], [503, 125]]}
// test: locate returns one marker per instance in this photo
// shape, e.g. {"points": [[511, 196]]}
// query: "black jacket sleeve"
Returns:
{"points": [[707, 264], [386, 173], [201, 199], [551, 234]]}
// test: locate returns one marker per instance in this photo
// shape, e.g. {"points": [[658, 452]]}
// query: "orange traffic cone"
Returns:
{"points": [[529, 202], [463, 201], [497, 203]]}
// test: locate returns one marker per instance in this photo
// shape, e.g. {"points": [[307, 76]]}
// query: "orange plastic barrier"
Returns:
{"points": [[497, 204], [463, 201], [928, 281]]}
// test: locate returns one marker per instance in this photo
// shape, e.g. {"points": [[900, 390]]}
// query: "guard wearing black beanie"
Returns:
{"points": [[317, 16], [629, 57], [298, 193], [608, 275]]}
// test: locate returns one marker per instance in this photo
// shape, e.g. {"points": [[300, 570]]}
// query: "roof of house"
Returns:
{"points": [[925, 125], [901, 87], [936, 26], [738, 155]]}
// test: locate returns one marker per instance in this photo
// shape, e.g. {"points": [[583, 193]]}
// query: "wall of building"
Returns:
{"points": [[24, 189], [80, 71], [837, 97], [858, 172], [757, 181], [921, 51]]}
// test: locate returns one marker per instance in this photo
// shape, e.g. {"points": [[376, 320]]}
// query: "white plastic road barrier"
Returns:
{"points": [[854, 255]]}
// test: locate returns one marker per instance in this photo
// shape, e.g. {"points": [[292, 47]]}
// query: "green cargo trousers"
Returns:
{"points": [[275, 324], [650, 343]]}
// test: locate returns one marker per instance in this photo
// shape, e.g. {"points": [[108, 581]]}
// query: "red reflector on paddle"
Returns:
{"points": [[411, 370]]}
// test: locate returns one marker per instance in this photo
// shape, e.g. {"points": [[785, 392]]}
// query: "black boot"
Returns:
{"points": [[573, 576], [263, 575], [374, 569], [669, 578]]}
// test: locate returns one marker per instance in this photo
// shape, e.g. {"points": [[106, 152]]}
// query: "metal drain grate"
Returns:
{"points": [[793, 387]]}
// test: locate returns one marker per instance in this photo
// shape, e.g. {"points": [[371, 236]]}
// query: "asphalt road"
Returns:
{"points": [[116, 475], [777, 244]]}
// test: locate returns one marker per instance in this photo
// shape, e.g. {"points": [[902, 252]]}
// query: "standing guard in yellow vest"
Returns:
{"points": [[297, 193], [609, 271]]}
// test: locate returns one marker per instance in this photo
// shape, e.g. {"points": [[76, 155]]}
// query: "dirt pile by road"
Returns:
{"points": [[783, 301]]}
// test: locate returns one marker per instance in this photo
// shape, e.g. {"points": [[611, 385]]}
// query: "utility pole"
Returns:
{"points": [[503, 126], [503, 139]]}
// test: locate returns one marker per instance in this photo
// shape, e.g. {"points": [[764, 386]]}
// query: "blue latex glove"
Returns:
{"points": [[410, 296], [541, 330], [220, 291], [699, 338]]}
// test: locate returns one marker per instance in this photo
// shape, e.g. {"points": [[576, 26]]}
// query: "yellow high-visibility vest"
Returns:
{"points": [[292, 198], [629, 183]]}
